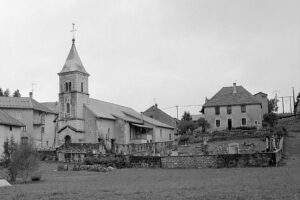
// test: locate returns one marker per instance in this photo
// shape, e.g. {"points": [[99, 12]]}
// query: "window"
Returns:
{"points": [[43, 130], [160, 131], [70, 85], [217, 110], [217, 123], [10, 128], [24, 140], [170, 136], [243, 108], [68, 108], [229, 110], [66, 86], [81, 87], [24, 128], [244, 121]]}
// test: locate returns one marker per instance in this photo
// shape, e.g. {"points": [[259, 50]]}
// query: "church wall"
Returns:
{"points": [[49, 134], [90, 126], [106, 131]]}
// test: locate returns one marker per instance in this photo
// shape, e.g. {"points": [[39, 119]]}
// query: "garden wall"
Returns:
{"points": [[222, 160]]}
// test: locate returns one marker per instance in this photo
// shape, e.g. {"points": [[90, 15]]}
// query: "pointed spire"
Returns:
{"points": [[73, 61]]}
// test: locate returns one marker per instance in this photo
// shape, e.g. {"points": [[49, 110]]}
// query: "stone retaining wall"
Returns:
{"points": [[200, 161]]}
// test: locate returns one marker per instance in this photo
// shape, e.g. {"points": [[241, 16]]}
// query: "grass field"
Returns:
{"points": [[235, 183]]}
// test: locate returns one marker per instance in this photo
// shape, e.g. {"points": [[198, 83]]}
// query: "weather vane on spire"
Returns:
{"points": [[73, 31]]}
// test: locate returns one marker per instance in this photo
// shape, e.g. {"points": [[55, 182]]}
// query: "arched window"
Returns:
{"points": [[81, 87], [67, 139], [66, 86], [68, 108], [70, 85]]}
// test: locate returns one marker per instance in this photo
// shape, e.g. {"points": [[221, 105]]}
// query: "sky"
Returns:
{"points": [[141, 52]]}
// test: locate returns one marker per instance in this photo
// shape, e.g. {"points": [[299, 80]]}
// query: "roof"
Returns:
{"points": [[73, 62], [261, 93], [23, 103], [156, 113], [113, 111], [196, 117], [226, 97], [53, 106], [6, 119]]}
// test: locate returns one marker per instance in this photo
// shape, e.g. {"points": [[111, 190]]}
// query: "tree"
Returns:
{"points": [[6, 93], [272, 105], [23, 162], [186, 127], [298, 96], [203, 124], [186, 116], [1, 92], [17, 93], [271, 119]]}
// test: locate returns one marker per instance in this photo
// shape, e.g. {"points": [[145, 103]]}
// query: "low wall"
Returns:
{"points": [[222, 160]]}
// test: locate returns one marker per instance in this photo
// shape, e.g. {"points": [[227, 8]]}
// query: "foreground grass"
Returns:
{"points": [[236, 183]]}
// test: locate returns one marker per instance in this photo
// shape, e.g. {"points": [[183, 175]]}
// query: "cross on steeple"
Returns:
{"points": [[73, 31]]}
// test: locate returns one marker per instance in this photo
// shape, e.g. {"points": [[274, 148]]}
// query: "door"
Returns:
{"points": [[229, 124]]}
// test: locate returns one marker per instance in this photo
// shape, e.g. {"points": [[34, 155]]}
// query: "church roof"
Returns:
{"points": [[113, 111], [73, 62], [226, 97], [6, 119], [23, 103]]}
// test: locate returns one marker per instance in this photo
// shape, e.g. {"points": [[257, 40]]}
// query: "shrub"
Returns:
{"points": [[23, 162], [271, 119]]}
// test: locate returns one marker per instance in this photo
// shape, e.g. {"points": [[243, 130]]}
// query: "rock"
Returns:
{"points": [[4, 183]]}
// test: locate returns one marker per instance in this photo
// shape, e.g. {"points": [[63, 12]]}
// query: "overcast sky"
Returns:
{"points": [[174, 51]]}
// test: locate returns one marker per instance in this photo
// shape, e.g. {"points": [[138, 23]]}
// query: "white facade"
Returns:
{"points": [[253, 117]]}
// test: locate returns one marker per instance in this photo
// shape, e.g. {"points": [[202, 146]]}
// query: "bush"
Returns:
{"points": [[271, 119], [23, 162]]}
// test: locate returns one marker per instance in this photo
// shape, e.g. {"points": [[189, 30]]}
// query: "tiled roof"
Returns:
{"points": [[54, 106], [156, 113], [196, 117], [24, 103], [73, 62], [6, 119], [226, 97], [112, 111]]}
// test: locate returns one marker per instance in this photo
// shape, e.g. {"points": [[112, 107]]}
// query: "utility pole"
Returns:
{"points": [[282, 105], [177, 111], [293, 98], [291, 104]]}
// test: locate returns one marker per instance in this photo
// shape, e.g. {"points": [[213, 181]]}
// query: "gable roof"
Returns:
{"points": [[53, 106], [6, 119], [106, 110], [23, 103], [73, 62], [159, 115], [226, 97]]}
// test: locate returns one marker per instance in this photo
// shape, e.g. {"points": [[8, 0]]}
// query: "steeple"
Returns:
{"points": [[73, 62]]}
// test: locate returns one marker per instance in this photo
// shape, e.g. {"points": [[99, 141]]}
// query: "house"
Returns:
{"points": [[233, 107], [82, 119], [38, 120], [10, 128], [159, 115], [263, 98]]}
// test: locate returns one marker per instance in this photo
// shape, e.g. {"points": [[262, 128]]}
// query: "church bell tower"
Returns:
{"points": [[73, 91]]}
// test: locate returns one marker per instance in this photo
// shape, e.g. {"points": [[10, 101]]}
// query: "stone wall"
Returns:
{"points": [[221, 161], [200, 161]]}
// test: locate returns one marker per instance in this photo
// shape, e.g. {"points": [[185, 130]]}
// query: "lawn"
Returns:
{"points": [[235, 183]]}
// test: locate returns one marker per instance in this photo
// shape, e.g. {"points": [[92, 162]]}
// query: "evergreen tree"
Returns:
{"points": [[6, 93], [17, 93]]}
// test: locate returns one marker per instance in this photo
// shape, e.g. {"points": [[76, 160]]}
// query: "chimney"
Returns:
{"points": [[234, 88], [30, 94]]}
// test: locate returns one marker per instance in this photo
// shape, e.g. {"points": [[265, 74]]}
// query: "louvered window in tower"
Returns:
{"points": [[66, 86], [70, 86], [68, 108], [81, 87]]}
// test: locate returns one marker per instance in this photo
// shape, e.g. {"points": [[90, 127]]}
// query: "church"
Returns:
{"points": [[82, 119]]}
